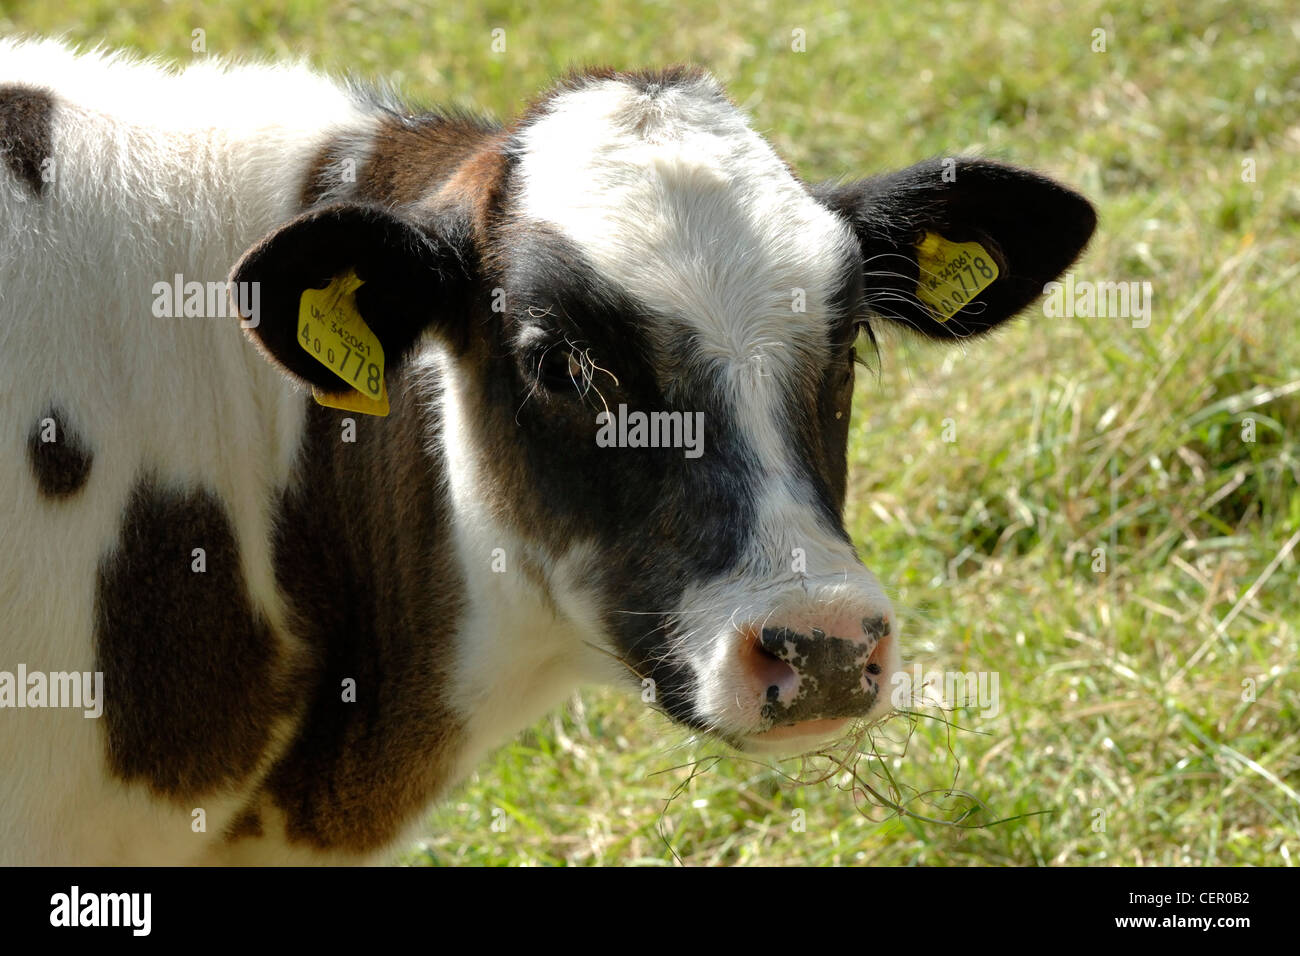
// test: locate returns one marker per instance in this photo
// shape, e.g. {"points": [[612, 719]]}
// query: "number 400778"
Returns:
{"points": [[341, 357], [954, 275]]}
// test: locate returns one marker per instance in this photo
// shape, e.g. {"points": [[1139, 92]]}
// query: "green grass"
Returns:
{"points": [[1121, 692]]}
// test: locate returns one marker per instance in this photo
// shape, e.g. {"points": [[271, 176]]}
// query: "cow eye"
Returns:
{"points": [[561, 368]]}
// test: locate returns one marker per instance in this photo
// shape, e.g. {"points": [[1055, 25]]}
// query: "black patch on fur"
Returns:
{"points": [[819, 411], [364, 557], [60, 466], [660, 521], [26, 138], [188, 662]]}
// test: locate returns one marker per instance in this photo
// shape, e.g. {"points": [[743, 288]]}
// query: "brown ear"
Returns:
{"points": [[1033, 227], [414, 275]]}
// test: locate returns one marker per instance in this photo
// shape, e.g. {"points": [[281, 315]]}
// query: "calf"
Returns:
{"points": [[311, 618]]}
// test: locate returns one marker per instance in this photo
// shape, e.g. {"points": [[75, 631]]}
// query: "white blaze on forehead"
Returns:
{"points": [[676, 200]]}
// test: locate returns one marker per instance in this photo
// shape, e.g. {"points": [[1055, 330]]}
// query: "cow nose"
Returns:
{"points": [[816, 672]]}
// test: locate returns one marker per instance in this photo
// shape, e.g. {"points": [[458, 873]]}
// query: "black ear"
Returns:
{"points": [[414, 275], [1031, 226]]}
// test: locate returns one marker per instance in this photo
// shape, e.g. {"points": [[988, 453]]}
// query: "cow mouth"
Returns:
{"points": [[796, 738]]}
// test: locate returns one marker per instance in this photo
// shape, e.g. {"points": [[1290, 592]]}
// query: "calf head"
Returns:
{"points": [[630, 246]]}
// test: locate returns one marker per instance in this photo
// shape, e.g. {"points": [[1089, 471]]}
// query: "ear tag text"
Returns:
{"points": [[331, 330], [952, 274]]}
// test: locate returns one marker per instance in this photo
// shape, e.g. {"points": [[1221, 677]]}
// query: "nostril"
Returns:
{"points": [[780, 643], [767, 667]]}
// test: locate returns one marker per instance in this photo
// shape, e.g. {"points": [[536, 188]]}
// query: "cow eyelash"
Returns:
{"points": [[559, 367], [862, 328], [854, 359], [568, 365]]}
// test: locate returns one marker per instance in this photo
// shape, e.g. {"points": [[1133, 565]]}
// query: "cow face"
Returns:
{"points": [[647, 326]]}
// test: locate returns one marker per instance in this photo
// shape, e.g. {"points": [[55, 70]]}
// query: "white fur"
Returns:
{"points": [[519, 655], [156, 173]]}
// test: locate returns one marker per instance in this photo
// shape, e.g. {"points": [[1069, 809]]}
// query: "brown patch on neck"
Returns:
{"points": [[364, 558], [477, 184], [26, 132], [323, 175], [246, 825], [409, 159], [412, 157]]}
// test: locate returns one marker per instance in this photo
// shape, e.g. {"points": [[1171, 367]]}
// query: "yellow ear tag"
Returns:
{"points": [[331, 330], [353, 402], [952, 273]]}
